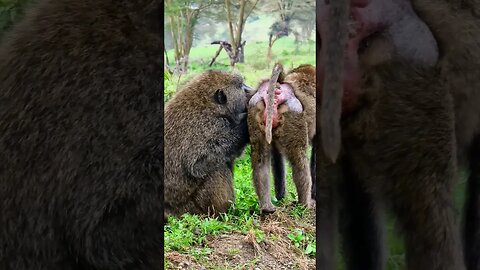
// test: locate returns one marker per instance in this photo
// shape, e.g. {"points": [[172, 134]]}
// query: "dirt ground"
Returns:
{"points": [[242, 251]]}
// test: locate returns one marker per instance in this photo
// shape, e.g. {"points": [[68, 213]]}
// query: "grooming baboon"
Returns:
{"points": [[417, 117], [293, 130], [205, 131], [81, 137]]}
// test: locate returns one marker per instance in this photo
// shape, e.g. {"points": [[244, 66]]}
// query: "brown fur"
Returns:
{"points": [[81, 137], [407, 119], [402, 147], [291, 137], [202, 140], [458, 35]]}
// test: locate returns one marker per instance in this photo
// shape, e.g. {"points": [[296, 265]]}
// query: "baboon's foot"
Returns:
{"points": [[268, 209], [280, 196], [307, 202], [311, 204]]}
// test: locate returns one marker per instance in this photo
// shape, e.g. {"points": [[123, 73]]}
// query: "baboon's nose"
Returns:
{"points": [[247, 88], [242, 116]]}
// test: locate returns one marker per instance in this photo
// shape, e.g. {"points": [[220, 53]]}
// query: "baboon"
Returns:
{"points": [[205, 131], [81, 137], [269, 96], [293, 129], [278, 164], [416, 119]]}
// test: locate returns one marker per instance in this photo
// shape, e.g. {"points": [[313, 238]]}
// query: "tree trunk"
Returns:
{"points": [[230, 22], [269, 54], [241, 23], [241, 52], [271, 41], [191, 18], [167, 61], [182, 36], [173, 24], [297, 41], [236, 30]]}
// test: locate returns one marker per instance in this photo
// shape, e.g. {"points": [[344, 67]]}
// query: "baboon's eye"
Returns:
{"points": [[220, 97], [367, 41]]}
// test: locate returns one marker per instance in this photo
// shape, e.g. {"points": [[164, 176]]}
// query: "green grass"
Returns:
{"points": [[187, 234]]}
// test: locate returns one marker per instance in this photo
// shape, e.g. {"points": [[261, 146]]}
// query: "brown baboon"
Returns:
{"points": [[81, 137], [293, 129], [278, 162], [205, 131], [415, 117], [271, 95]]}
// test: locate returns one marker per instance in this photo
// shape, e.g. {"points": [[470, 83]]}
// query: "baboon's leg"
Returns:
{"points": [[313, 170], [425, 212], [471, 230], [278, 167], [302, 179], [260, 157], [361, 224], [296, 153], [327, 209], [216, 195]]}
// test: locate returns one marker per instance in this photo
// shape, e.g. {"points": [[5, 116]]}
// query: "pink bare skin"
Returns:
{"points": [[396, 21], [283, 95]]}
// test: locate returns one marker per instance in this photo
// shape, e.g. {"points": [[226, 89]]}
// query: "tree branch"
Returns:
{"points": [[251, 10]]}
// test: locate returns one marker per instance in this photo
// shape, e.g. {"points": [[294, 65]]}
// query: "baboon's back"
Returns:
{"points": [[81, 126]]}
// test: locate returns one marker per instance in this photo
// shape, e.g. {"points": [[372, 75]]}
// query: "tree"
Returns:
{"points": [[301, 12], [182, 18], [237, 14], [278, 30]]}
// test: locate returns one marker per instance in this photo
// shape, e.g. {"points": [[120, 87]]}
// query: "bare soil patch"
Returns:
{"points": [[243, 251]]}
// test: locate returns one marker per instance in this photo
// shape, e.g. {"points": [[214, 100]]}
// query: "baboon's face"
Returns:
{"points": [[228, 94]]}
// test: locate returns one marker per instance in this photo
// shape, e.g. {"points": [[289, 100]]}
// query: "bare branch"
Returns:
{"points": [[251, 10]]}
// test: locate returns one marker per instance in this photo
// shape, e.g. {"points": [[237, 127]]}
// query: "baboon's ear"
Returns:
{"points": [[220, 97]]}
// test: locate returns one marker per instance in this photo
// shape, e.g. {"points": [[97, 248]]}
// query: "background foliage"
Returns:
{"points": [[11, 11]]}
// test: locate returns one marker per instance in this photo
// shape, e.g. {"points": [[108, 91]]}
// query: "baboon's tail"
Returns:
{"points": [[278, 168], [331, 109], [277, 69]]}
